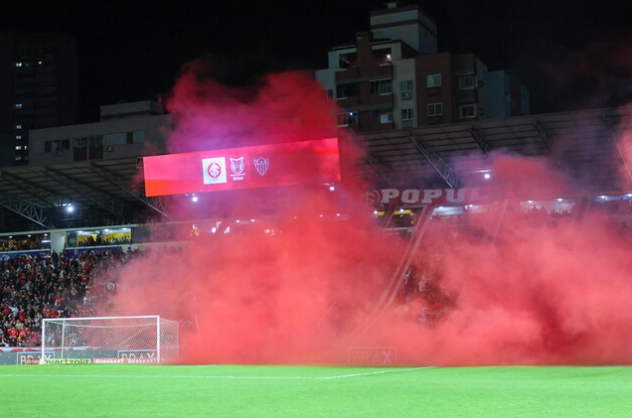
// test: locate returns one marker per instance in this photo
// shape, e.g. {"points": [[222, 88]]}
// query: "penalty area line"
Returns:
{"points": [[145, 376]]}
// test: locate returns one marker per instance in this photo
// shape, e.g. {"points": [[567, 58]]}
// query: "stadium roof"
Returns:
{"points": [[584, 143], [104, 192], [108, 192]]}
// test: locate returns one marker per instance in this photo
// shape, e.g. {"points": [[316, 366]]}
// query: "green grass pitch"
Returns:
{"points": [[286, 391]]}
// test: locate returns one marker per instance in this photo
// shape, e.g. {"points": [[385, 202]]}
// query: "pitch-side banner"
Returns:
{"points": [[274, 165]]}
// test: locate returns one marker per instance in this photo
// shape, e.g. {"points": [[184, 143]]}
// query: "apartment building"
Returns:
{"points": [[392, 77]]}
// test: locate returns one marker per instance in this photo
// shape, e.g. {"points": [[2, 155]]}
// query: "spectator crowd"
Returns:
{"points": [[55, 286]]}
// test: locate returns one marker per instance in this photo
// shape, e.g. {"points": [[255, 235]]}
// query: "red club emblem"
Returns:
{"points": [[214, 170]]}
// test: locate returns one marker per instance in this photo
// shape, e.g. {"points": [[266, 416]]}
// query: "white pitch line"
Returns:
{"points": [[342, 376]]}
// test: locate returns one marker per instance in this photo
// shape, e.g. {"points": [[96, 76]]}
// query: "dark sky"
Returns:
{"points": [[571, 54]]}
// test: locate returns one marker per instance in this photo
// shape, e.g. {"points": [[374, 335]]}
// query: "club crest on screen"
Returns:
{"points": [[261, 165], [214, 170], [237, 167]]}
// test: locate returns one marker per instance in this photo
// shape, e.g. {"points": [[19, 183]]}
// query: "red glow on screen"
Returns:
{"points": [[243, 168]]}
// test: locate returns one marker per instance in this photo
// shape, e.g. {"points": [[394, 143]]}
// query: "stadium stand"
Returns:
{"points": [[33, 288]]}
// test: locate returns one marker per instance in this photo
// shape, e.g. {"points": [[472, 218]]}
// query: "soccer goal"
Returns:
{"points": [[118, 339]]}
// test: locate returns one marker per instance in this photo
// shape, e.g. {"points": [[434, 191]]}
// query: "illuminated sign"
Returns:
{"points": [[415, 197], [274, 165]]}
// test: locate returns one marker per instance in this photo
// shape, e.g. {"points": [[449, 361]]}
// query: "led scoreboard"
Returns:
{"points": [[284, 164]]}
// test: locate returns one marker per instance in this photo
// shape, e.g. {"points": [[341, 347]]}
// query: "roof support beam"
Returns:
{"points": [[380, 168], [447, 173], [543, 136], [36, 192], [98, 198], [615, 139], [33, 213], [155, 203], [480, 139]]}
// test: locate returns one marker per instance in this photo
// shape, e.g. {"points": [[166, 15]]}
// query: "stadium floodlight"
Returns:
{"points": [[118, 339], [70, 208], [487, 176]]}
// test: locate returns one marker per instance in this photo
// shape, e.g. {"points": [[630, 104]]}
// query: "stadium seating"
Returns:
{"points": [[51, 287]]}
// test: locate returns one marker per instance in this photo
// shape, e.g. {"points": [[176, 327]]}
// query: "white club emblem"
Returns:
{"points": [[261, 165], [237, 166]]}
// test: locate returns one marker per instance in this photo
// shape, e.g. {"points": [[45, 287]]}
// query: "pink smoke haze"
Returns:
{"points": [[542, 291]]}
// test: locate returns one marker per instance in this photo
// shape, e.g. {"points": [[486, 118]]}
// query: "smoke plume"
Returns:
{"points": [[299, 288]]}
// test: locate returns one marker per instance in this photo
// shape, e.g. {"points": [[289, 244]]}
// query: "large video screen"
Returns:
{"points": [[274, 165]]}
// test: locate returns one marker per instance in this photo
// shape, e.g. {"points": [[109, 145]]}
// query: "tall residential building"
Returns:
{"points": [[393, 78], [38, 79]]}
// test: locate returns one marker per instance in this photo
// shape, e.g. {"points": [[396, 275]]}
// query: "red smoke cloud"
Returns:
{"points": [[527, 290]]}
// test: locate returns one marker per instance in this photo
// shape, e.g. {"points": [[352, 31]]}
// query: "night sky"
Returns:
{"points": [[571, 54]]}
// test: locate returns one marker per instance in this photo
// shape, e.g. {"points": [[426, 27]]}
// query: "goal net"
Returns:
{"points": [[122, 339]]}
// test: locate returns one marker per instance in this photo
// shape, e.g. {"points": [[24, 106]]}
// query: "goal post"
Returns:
{"points": [[116, 339]]}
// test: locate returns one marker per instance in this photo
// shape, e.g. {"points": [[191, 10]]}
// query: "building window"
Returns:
{"points": [[138, 137], [18, 64], [383, 56], [18, 147], [467, 111], [345, 90], [346, 60], [18, 137], [386, 117], [80, 142], [382, 87], [116, 139], [54, 145], [435, 109], [466, 82], [433, 80], [406, 89], [406, 85], [18, 126], [19, 105], [347, 118], [408, 113]]}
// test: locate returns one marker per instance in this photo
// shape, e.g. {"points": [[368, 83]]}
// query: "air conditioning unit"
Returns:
{"points": [[109, 148], [408, 123], [407, 95]]}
